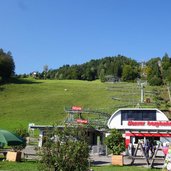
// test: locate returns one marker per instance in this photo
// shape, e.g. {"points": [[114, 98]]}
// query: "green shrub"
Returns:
{"points": [[21, 132], [115, 142], [65, 150]]}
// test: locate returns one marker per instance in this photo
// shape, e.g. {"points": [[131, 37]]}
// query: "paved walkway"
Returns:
{"points": [[101, 160]]}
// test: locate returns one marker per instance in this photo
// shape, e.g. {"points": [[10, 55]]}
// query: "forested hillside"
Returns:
{"points": [[157, 71], [95, 69]]}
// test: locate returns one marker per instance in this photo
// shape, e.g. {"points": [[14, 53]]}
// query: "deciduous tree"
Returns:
{"points": [[7, 66]]}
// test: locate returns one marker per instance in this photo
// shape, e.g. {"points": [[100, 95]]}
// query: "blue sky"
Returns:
{"points": [[58, 32]]}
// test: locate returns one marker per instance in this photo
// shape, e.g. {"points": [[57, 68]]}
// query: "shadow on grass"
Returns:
{"points": [[25, 81], [99, 163], [21, 81], [1, 88]]}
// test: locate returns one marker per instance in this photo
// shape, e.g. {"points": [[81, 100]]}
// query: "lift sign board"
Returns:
{"points": [[82, 121], [76, 108]]}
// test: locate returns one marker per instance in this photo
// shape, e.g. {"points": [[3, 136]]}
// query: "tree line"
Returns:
{"points": [[94, 69], [157, 71]]}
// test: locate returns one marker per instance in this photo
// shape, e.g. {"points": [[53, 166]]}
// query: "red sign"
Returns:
{"points": [[82, 121], [149, 123], [77, 108]]}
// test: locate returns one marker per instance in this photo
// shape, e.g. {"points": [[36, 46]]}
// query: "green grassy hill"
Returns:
{"points": [[43, 101]]}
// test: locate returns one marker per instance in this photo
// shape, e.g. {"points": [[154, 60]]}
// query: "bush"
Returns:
{"points": [[21, 132], [115, 142], [65, 150]]}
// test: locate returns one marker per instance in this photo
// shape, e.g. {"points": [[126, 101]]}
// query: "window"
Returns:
{"points": [[149, 115], [138, 115]]}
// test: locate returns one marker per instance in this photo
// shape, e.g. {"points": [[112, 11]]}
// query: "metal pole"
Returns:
{"points": [[168, 89], [142, 93]]}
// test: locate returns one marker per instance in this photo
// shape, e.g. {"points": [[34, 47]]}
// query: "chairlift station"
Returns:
{"points": [[135, 124]]}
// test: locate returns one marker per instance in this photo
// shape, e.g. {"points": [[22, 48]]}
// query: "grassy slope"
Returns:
{"points": [[43, 102]]}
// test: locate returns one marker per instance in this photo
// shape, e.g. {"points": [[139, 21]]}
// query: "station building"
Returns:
{"points": [[141, 123]]}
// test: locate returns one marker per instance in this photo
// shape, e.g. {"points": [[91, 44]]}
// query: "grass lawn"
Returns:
{"points": [[19, 166], [33, 166], [124, 168]]}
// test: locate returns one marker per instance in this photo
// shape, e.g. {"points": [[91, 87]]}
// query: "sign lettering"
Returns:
{"points": [[149, 123], [136, 123]]}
